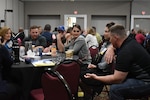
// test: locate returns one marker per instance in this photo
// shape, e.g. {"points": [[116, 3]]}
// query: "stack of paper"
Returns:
{"points": [[43, 62]]}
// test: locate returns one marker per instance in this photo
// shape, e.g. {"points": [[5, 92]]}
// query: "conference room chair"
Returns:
{"points": [[70, 70], [93, 51], [54, 87]]}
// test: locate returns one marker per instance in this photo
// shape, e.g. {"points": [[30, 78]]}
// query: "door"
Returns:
{"points": [[140, 22], [70, 20]]}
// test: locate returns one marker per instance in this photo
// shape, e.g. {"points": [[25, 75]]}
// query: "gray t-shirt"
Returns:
{"points": [[40, 41]]}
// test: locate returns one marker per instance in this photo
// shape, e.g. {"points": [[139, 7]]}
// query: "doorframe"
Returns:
{"points": [[71, 15], [133, 17]]}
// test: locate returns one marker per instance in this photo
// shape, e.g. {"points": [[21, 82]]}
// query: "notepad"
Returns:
{"points": [[43, 62]]}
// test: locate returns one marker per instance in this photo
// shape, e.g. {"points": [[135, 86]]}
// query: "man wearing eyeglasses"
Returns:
{"points": [[38, 41]]}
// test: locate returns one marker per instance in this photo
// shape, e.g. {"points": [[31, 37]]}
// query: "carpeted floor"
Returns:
{"points": [[102, 96]]}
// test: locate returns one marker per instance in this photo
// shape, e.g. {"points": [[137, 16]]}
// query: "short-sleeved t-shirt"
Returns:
{"points": [[134, 59], [40, 41]]}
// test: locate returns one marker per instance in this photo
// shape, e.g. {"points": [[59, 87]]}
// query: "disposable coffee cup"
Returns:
{"points": [[69, 54]]}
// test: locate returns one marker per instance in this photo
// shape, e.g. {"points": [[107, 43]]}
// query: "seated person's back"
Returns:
{"points": [[8, 90]]}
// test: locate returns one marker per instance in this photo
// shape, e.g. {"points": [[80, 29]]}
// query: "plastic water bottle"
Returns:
{"points": [[40, 52]]}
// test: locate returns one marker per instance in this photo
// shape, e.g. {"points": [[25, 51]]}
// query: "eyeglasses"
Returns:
{"points": [[76, 31]]}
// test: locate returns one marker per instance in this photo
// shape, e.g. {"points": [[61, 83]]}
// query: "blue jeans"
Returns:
{"points": [[130, 88]]}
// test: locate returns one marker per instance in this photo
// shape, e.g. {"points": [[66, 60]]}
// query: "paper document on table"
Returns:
{"points": [[48, 53], [43, 62]]}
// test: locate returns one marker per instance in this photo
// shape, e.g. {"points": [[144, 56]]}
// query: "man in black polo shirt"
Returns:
{"points": [[131, 76]]}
